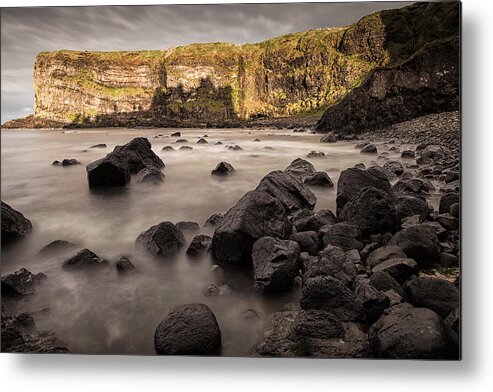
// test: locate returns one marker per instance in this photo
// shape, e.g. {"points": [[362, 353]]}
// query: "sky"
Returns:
{"points": [[25, 31]]}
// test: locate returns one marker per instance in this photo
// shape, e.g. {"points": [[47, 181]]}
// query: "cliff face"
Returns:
{"points": [[222, 84], [419, 51]]}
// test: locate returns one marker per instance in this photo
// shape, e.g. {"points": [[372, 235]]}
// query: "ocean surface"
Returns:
{"points": [[102, 311]]}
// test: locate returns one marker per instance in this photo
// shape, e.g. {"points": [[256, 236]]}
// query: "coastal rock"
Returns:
{"points": [[413, 187], [329, 137], [384, 253], [344, 235], [14, 224], [163, 239], [318, 179], [57, 246], [307, 240], [408, 206], [214, 220], [447, 200], [300, 167], [313, 221], [200, 245], [21, 282], [369, 149], [316, 154], [85, 259], [151, 175], [394, 167], [190, 329], [223, 169], [373, 301], [275, 264], [399, 268], [112, 170], [124, 265], [383, 282]]}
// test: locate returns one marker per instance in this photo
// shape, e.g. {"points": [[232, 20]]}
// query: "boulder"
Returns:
{"points": [[418, 242], [257, 214], [67, 162], [369, 149], [352, 180], [446, 201], [394, 167], [151, 175], [214, 220], [191, 227], [85, 259], [436, 294], [315, 154], [313, 221], [138, 154], [168, 148], [202, 141], [455, 210], [288, 190], [330, 294], [448, 221], [189, 329], [200, 245], [411, 205], [373, 211], [383, 282], [344, 235], [400, 269], [413, 187], [329, 137], [299, 167], [124, 265], [275, 264], [373, 301], [163, 239], [223, 169], [319, 179], [14, 224], [307, 240], [21, 282], [408, 154], [113, 170], [384, 253], [181, 141], [235, 148], [448, 260], [186, 148], [411, 333], [217, 290], [432, 153], [57, 246], [100, 145], [175, 134]]}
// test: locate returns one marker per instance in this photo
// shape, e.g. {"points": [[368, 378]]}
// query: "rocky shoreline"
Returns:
{"points": [[371, 276]]}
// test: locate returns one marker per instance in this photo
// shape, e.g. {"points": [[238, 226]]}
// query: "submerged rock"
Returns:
{"points": [[200, 245], [151, 175], [21, 282], [163, 239], [330, 137], [56, 246], [14, 224], [369, 149], [85, 259], [189, 329], [223, 169], [299, 167], [124, 265]]}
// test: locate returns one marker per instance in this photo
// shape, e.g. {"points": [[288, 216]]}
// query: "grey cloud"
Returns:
{"points": [[29, 30]]}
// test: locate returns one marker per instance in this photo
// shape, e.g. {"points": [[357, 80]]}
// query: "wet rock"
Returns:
{"points": [[436, 294], [383, 282], [310, 221], [437, 228], [85, 259], [150, 175], [202, 141], [319, 179], [57, 246], [191, 227], [317, 324], [217, 290], [360, 145], [352, 180], [190, 329], [316, 154], [257, 214], [446, 201], [408, 154], [418, 242], [299, 167], [413, 187], [124, 265], [200, 245], [330, 137], [218, 143], [275, 264], [360, 166], [411, 333], [411, 205], [181, 141], [432, 153], [176, 134], [223, 169], [185, 148], [332, 262], [448, 221], [373, 211], [235, 148], [138, 154], [307, 240], [163, 239], [113, 170], [168, 148], [21, 282], [384, 253], [394, 167], [330, 294], [214, 220], [288, 190], [14, 224], [373, 301], [344, 235], [100, 145], [369, 149], [448, 260], [400, 269], [67, 162]]}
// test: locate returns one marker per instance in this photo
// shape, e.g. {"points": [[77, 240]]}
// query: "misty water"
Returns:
{"points": [[102, 311]]}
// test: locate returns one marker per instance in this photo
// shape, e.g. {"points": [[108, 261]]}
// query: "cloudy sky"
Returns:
{"points": [[26, 31]]}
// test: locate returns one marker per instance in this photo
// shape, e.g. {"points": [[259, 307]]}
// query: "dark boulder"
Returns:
{"points": [[432, 153], [330, 294], [373, 301], [57, 246], [175, 134], [448, 221], [101, 145], [68, 162], [299, 167], [168, 148], [217, 290], [384, 253], [214, 220], [186, 148], [446, 201], [313, 221], [200, 245], [163, 239], [373, 211], [383, 282], [275, 264], [112, 170], [257, 214], [330, 137], [413, 187], [411, 333], [315, 154], [319, 179], [235, 148], [352, 180], [223, 169], [151, 175], [85, 259], [21, 282], [307, 240], [418, 242], [138, 154], [331, 262], [124, 265], [453, 320], [288, 190], [411, 205], [369, 149], [400, 269], [181, 141], [344, 235], [394, 167], [455, 210], [202, 141], [436, 294], [14, 224], [190, 329], [191, 227], [408, 154]]}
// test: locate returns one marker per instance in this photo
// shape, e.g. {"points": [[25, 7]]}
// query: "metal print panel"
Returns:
{"points": [[266, 180]]}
